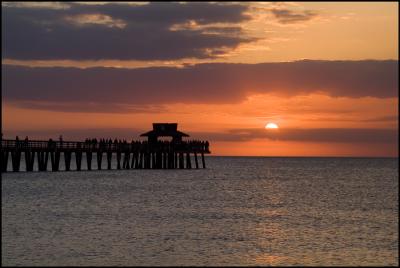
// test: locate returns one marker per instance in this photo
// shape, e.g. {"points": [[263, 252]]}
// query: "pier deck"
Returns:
{"points": [[132, 155]]}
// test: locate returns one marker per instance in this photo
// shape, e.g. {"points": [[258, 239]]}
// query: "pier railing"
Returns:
{"points": [[135, 154]]}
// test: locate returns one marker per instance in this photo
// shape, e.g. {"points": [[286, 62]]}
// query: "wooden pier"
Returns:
{"points": [[151, 154]]}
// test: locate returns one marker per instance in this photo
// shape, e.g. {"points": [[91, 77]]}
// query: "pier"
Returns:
{"points": [[150, 154]]}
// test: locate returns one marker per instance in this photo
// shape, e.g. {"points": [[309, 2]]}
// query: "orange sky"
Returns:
{"points": [[318, 31]]}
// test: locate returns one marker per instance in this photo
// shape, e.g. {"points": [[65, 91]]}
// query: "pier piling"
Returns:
{"points": [[78, 159], [89, 159], [109, 158], [99, 159], [29, 160], [118, 159], [195, 159], [67, 159], [4, 161], [188, 161], [55, 160], [16, 159], [202, 159]]}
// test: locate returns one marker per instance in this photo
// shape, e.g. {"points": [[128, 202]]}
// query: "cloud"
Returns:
{"points": [[389, 118], [90, 107], [202, 83], [286, 16], [342, 135], [122, 32]]}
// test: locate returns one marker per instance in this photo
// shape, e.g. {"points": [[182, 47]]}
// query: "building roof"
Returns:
{"points": [[165, 129]]}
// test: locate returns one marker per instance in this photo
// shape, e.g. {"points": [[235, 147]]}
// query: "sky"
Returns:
{"points": [[325, 72]]}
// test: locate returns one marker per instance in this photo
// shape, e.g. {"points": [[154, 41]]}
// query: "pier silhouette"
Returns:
{"points": [[150, 154]]}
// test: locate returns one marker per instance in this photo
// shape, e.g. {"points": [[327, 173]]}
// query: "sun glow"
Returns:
{"points": [[271, 125]]}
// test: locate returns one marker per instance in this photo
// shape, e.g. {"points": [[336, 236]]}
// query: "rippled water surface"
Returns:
{"points": [[238, 211]]}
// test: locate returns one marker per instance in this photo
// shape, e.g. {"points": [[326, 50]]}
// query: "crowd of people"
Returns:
{"points": [[123, 144], [141, 145]]}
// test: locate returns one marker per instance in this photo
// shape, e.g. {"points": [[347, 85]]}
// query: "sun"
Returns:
{"points": [[271, 125]]}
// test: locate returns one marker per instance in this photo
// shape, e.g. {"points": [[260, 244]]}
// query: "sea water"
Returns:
{"points": [[237, 211]]}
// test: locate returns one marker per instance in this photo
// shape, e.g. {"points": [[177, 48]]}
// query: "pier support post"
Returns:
{"points": [[196, 161], [137, 159], [16, 159], [118, 159], [125, 164], [188, 161], [165, 160], [4, 160], [78, 159], [46, 160], [202, 159], [158, 160], [153, 160], [133, 160], [176, 160], [147, 160], [89, 159], [141, 157], [170, 160], [55, 160], [181, 162], [42, 160], [67, 159], [142, 160], [99, 159], [128, 160], [28, 160], [109, 158]]}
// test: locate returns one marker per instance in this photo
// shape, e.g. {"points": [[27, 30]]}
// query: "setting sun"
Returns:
{"points": [[271, 125]]}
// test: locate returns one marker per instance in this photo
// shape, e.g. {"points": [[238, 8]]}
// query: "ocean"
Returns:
{"points": [[238, 211]]}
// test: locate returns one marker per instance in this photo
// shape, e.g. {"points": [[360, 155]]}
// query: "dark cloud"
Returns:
{"points": [[383, 119], [342, 135], [202, 83], [389, 118], [169, 13], [90, 107], [286, 16], [130, 32]]}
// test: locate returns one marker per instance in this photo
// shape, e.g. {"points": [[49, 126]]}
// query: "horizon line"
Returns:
{"points": [[300, 156]]}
